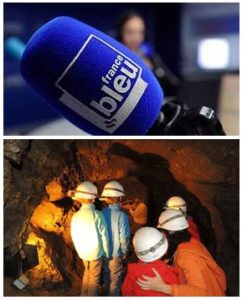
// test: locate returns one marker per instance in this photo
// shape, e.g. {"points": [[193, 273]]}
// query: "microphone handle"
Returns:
{"points": [[176, 119]]}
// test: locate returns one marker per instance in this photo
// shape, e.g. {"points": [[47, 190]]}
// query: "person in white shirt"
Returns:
{"points": [[90, 237]]}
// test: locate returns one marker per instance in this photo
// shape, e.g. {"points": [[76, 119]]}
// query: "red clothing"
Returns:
{"points": [[135, 270], [193, 229]]}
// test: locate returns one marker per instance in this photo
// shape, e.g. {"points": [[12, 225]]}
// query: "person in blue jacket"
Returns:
{"points": [[119, 237]]}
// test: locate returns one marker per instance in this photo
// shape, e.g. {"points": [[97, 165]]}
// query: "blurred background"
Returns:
{"points": [[192, 48]]}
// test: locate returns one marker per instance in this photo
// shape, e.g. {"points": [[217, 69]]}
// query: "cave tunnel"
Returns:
{"points": [[37, 211]]}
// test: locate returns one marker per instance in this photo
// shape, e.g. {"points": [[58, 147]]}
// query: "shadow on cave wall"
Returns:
{"points": [[154, 172]]}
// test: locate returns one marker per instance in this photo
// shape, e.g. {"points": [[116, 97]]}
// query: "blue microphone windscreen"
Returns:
{"points": [[94, 81]]}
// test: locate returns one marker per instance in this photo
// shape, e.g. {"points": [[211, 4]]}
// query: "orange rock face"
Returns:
{"points": [[54, 190]]}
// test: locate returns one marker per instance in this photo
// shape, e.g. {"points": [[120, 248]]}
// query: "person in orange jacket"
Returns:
{"points": [[199, 273], [137, 210], [150, 245], [178, 203]]}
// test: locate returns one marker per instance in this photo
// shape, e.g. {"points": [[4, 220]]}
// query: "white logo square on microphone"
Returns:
{"points": [[120, 87]]}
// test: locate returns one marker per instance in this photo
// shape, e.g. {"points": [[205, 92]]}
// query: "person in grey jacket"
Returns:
{"points": [[119, 237], [90, 237]]}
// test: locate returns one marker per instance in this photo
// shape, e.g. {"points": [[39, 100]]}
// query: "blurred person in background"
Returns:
{"points": [[131, 31]]}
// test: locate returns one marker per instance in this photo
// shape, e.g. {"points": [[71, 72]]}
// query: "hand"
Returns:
{"points": [[124, 256], [156, 283]]}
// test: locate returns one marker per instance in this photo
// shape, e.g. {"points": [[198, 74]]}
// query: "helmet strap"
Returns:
{"points": [[154, 248], [170, 219]]}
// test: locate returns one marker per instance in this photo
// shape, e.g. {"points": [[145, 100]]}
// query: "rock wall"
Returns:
{"points": [[39, 173]]}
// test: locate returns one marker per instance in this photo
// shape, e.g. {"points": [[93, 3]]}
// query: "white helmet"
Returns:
{"points": [[112, 189], [85, 190], [172, 220], [149, 244], [177, 203]]}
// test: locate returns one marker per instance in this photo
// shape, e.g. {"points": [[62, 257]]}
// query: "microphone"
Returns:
{"points": [[91, 79]]}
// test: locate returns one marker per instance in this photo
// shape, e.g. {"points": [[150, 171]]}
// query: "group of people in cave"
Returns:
{"points": [[171, 260]]}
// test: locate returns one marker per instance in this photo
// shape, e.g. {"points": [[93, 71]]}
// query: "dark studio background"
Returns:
{"points": [[170, 26]]}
